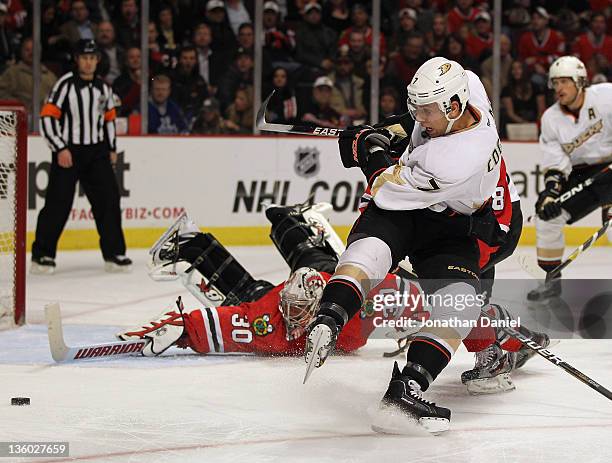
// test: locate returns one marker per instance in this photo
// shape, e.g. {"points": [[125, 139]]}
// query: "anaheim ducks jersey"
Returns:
{"points": [[566, 141], [458, 171]]}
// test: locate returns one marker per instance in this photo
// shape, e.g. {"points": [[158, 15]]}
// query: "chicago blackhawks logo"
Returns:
{"points": [[262, 325]]}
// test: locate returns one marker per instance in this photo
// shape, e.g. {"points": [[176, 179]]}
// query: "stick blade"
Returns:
{"points": [[261, 114], [530, 265], [55, 331]]}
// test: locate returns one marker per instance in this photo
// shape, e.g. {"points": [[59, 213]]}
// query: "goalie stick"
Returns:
{"points": [[63, 353], [393, 123], [530, 265]]}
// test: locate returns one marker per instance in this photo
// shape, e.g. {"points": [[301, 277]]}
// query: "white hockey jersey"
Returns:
{"points": [[566, 142], [458, 171]]}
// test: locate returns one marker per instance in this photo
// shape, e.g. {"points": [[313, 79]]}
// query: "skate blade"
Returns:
{"points": [[499, 383], [110, 267], [390, 420], [319, 337], [36, 269]]}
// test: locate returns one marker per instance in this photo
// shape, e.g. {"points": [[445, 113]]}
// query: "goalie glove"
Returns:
{"points": [[366, 148], [547, 206]]}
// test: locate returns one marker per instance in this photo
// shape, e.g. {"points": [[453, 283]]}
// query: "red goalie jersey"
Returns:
{"points": [[259, 326]]}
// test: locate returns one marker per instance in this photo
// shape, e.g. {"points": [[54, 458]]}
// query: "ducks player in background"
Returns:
{"points": [[576, 144]]}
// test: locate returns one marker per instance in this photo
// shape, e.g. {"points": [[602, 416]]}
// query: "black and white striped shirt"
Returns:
{"points": [[79, 112]]}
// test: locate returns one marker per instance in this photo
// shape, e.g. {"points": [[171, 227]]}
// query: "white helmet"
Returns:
{"points": [[568, 66], [299, 298], [439, 80]]}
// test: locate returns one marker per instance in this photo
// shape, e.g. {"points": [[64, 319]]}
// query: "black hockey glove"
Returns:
{"points": [[367, 148], [547, 206], [484, 226]]}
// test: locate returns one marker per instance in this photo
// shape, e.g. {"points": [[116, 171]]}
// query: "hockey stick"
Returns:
{"points": [[530, 265], [63, 353], [311, 129], [554, 359]]}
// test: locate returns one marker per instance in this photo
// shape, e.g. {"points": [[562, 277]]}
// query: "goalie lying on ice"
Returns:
{"points": [[241, 314]]}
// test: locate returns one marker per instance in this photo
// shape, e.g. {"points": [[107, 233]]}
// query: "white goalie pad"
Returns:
{"points": [[200, 287], [317, 217]]}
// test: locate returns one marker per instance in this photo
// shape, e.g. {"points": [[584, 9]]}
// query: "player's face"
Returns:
{"points": [[430, 117], [565, 90], [87, 64]]}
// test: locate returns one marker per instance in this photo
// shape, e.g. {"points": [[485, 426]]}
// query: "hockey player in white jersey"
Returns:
{"points": [[576, 144], [424, 207]]}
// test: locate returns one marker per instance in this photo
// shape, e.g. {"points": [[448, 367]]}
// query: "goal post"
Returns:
{"points": [[13, 210]]}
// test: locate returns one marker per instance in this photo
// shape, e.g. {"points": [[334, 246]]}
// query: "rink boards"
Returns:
{"points": [[222, 181]]}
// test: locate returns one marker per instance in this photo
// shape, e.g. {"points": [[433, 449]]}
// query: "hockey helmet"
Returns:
{"points": [[299, 298], [568, 66], [440, 81]]}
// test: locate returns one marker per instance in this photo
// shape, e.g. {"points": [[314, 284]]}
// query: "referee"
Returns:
{"points": [[78, 123]]}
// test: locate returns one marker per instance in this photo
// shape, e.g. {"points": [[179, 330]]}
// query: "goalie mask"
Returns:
{"points": [[299, 298], [435, 85]]}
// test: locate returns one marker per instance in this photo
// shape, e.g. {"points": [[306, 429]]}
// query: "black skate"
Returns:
{"points": [[545, 292], [525, 353], [403, 400], [491, 373], [320, 342]]}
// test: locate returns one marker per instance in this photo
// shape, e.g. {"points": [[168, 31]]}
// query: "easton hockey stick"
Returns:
{"points": [[530, 265], [63, 353], [393, 123]]}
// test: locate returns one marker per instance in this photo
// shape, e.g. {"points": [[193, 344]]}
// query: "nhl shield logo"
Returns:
{"points": [[306, 161]]}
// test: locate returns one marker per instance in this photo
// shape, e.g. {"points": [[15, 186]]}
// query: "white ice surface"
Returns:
{"points": [[188, 408]]}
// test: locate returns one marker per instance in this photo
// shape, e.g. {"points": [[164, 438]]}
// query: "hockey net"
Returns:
{"points": [[13, 188]]}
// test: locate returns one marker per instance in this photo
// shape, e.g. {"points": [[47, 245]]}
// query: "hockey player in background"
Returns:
{"points": [[576, 144], [419, 208]]}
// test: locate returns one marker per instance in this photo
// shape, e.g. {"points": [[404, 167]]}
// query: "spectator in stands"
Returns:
{"points": [[189, 89], [246, 37], [347, 92], [594, 41], [463, 13], [209, 120], [407, 26], [425, 16], [239, 115], [111, 54], [127, 85], [315, 42], [480, 38], [360, 22], [279, 42], [435, 37], [7, 41], [161, 59], [237, 14], [522, 100], [358, 53], [211, 64], [224, 39], [454, 48], [17, 82], [486, 73], [239, 75], [389, 103], [386, 80], [336, 15], [540, 46], [169, 35], [165, 116], [17, 15], [282, 107], [410, 58], [319, 110], [127, 26], [55, 53], [79, 27]]}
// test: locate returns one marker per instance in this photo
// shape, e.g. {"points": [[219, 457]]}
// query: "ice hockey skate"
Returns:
{"points": [[404, 411], [491, 373], [320, 343], [42, 266], [525, 353], [545, 292]]}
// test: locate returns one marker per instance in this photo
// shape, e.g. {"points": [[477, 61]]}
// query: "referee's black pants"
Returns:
{"points": [[91, 166]]}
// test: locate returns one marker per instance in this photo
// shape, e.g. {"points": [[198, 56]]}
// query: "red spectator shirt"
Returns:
{"points": [[545, 52], [475, 45], [584, 47], [346, 33], [456, 18]]}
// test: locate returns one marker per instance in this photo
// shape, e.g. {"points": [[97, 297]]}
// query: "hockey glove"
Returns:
{"points": [[485, 227], [547, 206], [367, 148]]}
